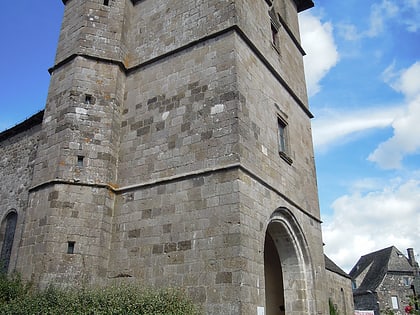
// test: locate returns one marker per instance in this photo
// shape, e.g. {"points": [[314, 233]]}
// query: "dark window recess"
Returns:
{"points": [[283, 141], [282, 136], [275, 26], [70, 247], [80, 160], [88, 99], [274, 35], [8, 239], [106, 2]]}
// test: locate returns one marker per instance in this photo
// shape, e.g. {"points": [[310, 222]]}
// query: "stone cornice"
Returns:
{"points": [[234, 28], [179, 177], [301, 5]]}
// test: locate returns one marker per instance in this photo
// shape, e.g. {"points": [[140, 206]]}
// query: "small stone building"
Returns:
{"points": [[383, 280], [175, 149], [339, 288]]}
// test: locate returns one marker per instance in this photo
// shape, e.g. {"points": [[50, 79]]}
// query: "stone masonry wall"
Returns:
{"points": [[395, 285], [59, 214], [158, 159], [91, 28], [206, 233], [17, 156], [285, 57], [340, 293], [262, 104], [75, 126], [180, 114], [159, 29], [71, 203], [184, 233], [258, 203]]}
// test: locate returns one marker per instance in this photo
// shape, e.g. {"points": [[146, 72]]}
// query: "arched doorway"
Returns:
{"points": [[8, 235], [287, 267]]}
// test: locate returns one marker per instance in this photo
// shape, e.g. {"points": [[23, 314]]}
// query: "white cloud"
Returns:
{"points": [[348, 32], [403, 12], [405, 140], [378, 16], [322, 55], [333, 127], [409, 82], [414, 4], [336, 127], [411, 20], [369, 221]]}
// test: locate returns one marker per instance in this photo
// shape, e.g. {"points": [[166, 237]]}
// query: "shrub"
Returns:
{"points": [[123, 299], [413, 306], [333, 309], [12, 287]]}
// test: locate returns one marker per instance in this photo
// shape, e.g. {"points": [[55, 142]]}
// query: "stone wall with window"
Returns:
{"points": [[18, 147], [395, 291], [162, 160]]}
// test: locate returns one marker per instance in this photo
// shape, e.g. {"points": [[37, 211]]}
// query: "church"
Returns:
{"points": [[175, 149]]}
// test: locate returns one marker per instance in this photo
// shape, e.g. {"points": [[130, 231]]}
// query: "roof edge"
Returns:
{"points": [[333, 267], [27, 124], [303, 5]]}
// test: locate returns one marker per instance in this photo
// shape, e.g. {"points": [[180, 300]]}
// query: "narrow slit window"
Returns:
{"points": [[80, 160], [282, 135], [88, 99], [274, 36], [70, 247], [275, 26]]}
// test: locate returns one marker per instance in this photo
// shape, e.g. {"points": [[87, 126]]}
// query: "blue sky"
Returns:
{"points": [[363, 77]]}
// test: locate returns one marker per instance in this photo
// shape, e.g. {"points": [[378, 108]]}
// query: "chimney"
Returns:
{"points": [[412, 261]]}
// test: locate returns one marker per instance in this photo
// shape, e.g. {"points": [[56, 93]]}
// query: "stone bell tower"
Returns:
{"points": [[176, 150]]}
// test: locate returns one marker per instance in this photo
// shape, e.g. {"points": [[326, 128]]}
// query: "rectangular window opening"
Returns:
{"points": [[80, 159], [394, 301], [283, 141], [282, 135], [70, 247], [106, 2], [88, 99]]}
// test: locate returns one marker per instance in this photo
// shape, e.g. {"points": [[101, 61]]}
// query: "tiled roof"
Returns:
{"points": [[377, 264], [331, 266]]}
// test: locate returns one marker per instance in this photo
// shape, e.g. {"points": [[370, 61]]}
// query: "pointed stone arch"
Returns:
{"points": [[7, 234], [287, 267]]}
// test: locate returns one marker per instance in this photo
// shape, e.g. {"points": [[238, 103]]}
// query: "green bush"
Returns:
{"points": [[12, 287], [333, 309], [123, 299]]}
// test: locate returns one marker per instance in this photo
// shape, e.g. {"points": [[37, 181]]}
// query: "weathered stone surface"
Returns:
{"points": [[158, 156]]}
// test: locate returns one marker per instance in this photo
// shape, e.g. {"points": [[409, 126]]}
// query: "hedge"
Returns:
{"points": [[17, 297]]}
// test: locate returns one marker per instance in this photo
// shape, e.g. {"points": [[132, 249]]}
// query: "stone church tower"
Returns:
{"points": [[175, 150]]}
